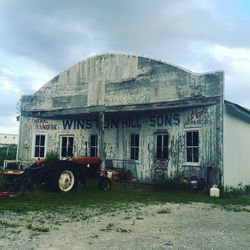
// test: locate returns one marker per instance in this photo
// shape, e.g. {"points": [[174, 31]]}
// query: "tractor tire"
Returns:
{"points": [[65, 179]]}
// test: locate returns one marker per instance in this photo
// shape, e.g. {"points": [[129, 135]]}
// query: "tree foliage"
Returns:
{"points": [[7, 152]]}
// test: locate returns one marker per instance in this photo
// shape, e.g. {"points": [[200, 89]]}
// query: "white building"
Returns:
{"points": [[8, 139], [236, 145]]}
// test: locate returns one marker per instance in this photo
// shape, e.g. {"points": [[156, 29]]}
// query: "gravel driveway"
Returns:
{"points": [[162, 226]]}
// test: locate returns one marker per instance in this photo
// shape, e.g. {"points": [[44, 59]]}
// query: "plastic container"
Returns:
{"points": [[109, 174], [214, 191]]}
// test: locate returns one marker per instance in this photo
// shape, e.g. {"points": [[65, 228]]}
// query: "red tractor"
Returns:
{"points": [[57, 175]]}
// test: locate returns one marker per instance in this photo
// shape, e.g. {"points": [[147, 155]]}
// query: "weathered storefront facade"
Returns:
{"points": [[144, 115]]}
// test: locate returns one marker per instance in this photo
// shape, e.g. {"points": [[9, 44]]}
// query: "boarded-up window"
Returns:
{"points": [[134, 147], [162, 146], [39, 146], [192, 146], [93, 145], [67, 145]]}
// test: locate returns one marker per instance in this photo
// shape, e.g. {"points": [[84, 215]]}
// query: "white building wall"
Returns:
{"points": [[8, 138], [236, 151]]}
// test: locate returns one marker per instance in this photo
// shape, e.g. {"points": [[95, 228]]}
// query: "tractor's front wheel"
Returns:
{"points": [[65, 179]]}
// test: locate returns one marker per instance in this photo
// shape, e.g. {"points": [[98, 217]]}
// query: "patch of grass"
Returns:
{"points": [[127, 217], [230, 191], [15, 231], [237, 208], [8, 223], [39, 228], [120, 196], [164, 211], [29, 225], [52, 156], [42, 228]]}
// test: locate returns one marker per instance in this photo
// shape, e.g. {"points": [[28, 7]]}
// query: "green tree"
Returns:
{"points": [[7, 152]]}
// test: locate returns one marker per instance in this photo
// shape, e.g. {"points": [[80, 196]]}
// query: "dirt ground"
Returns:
{"points": [[161, 226]]}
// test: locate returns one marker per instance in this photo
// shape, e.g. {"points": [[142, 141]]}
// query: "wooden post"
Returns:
{"points": [[101, 138]]}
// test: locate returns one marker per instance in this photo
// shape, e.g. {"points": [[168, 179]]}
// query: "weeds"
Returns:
{"points": [[42, 228], [127, 217], [164, 211], [176, 182], [52, 156], [236, 191], [8, 223], [39, 228], [121, 196], [29, 225], [237, 208]]}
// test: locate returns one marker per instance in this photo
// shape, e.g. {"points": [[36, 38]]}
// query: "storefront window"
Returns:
{"points": [[192, 146], [39, 146], [93, 145], [134, 147], [162, 146], [67, 145]]}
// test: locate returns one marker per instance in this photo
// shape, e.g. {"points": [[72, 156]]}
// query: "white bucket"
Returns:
{"points": [[109, 174], [214, 191]]}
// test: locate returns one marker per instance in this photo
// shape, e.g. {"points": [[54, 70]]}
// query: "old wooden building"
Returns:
{"points": [[144, 115]]}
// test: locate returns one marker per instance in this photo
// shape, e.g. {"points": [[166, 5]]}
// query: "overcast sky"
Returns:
{"points": [[39, 39]]}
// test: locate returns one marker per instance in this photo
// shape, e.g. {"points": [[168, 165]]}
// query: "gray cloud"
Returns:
{"points": [[56, 34], [49, 31]]}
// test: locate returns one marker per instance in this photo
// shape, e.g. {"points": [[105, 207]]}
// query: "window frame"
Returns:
{"points": [[192, 147], [34, 146], [93, 147], [67, 146], [162, 135], [134, 149]]}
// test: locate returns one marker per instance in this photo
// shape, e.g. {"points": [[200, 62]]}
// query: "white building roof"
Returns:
{"points": [[238, 111]]}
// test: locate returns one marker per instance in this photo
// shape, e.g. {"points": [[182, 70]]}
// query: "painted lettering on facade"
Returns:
{"points": [[197, 117], [164, 120], [43, 124], [80, 124], [127, 122]]}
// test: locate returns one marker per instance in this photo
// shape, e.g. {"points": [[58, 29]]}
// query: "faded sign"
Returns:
{"points": [[127, 122], [164, 120], [197, 117], [43, 124]]}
